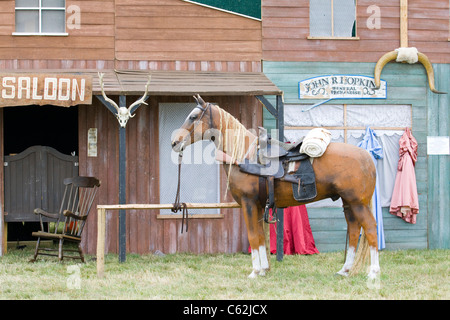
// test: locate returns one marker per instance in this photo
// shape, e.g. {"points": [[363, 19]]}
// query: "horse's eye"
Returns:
{"points": [[193, 118]]}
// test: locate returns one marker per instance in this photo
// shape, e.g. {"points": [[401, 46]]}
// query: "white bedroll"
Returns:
{"points": [[316, 142]]}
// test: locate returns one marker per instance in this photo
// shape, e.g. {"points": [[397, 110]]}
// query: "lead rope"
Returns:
{"points": [[177, 206]]}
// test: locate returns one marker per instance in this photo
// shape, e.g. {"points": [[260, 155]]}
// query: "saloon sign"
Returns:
{"points": [[341, 87], [40, 89]]}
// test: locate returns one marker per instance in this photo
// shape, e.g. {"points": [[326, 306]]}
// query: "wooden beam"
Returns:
{"points": [[266, 103], [404, 23], [157, 206], [190, 216]]}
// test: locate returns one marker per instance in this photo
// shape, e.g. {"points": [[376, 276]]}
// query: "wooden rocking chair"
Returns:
{"points": [[69, 222]]}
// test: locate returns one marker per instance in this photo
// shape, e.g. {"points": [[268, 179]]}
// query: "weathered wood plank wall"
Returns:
{"points": [[148, 35], [145, 233], [286, 28], [133, 34], [89, 46], [166, 30], [439, 165]]}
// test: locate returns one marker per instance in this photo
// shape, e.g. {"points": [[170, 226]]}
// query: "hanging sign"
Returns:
{"points": [[343, 86], [40, 89], [438, 145]]}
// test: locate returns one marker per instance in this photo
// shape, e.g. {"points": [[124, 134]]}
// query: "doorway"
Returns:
{"points": [[29, 126]]}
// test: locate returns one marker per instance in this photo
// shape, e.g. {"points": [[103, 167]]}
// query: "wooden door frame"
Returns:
{"points": [[3, 242]]}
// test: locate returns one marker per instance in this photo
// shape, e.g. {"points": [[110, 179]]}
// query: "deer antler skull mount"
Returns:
{"points": [[123, 114]]}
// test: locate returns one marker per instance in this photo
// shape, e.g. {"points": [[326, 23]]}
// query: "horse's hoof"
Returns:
{"points": [[373, 275], [253, 275], [341, 274]]}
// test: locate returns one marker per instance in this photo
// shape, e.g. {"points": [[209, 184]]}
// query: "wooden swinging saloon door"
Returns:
{"points": [[34, 179]]}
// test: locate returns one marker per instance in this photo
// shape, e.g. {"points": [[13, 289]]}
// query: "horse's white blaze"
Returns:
{"points": [[348, 262], [374, 263]]}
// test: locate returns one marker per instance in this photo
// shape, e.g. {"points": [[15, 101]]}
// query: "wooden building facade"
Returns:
{"points": [[304, 40], [196, 45]]}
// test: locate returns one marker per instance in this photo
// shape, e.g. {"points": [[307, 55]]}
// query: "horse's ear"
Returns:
{"points": [[196, 99], [199, 100]]}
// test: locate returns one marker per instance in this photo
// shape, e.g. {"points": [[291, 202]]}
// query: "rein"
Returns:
{"points": [[177, 205]]}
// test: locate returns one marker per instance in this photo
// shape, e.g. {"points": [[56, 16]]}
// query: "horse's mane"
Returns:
{"points": [[233, 138]]}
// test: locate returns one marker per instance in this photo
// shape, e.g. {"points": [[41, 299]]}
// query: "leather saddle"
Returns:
{"points": [[285, 162]]}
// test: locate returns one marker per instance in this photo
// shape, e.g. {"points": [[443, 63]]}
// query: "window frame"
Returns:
{"points": [[332, 37], [212, 213], [40, 8], [346, 128]]}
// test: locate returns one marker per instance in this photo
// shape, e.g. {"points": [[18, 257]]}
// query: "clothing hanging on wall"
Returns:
{"points": [[405, 201], [370, 143]]}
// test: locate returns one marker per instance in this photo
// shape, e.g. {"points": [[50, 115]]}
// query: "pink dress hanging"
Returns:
{"points": [[405, 202]]}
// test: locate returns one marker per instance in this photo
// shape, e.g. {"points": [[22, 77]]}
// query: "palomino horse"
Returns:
{"points": [[344, 171]]}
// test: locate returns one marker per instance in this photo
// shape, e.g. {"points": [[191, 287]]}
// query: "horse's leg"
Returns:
{"points": [[370, 228], [353, 233], [363, 215], [253, 219]]}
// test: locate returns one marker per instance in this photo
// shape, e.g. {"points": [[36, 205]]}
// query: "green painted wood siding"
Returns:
{"points": [[439, 165], [407, 85]]}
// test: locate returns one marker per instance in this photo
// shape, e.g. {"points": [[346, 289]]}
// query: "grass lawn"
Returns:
{"points": [[409, 274]]}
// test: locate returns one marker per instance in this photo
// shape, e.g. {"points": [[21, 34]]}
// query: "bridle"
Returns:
{"points": [[177, 205], [204, 109]]}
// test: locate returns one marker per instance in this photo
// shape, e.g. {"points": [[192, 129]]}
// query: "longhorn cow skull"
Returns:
{"points": [[398, 54]]}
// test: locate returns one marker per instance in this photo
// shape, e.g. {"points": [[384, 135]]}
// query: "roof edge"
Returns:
{"points": [[220, 9]]}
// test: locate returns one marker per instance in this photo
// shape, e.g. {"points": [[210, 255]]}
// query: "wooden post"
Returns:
{"points": [[122, 169], [280, 212], [404, 23], [278, 113], [122, 186], [4, 238], [101, 233]]}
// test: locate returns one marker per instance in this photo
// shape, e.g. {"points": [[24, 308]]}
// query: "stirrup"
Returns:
{"points": [[267, 214]]}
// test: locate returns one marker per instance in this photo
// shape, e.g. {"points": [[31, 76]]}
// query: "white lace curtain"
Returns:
{"points": [[199, 175], [348, 123]]}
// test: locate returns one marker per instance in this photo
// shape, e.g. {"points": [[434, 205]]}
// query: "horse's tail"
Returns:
{"points": [[362, 253]]}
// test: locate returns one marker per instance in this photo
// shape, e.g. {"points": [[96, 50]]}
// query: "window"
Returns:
{"points": [[200, 174], [332, 19], [347, 123], [40, 17]]}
